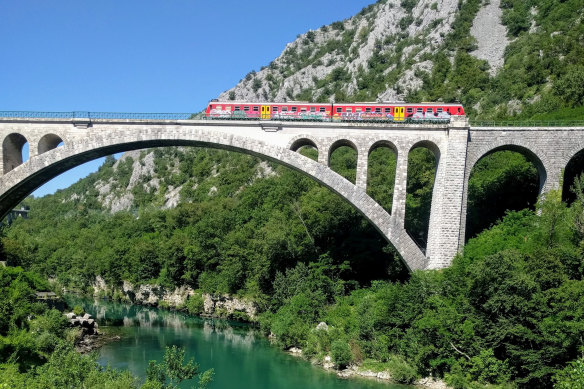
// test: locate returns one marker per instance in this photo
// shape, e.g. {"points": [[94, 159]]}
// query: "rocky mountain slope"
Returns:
{"points": [[431, 50], [409, 31], [161, 178]]}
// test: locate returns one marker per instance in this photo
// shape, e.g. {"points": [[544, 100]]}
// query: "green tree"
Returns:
{"points": [[173, 370]]}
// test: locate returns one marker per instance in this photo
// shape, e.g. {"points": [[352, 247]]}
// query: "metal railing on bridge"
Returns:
{"points": [[528, 123], [98, 115]]}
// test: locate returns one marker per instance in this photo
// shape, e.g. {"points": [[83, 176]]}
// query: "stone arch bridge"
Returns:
{"points": [[456, 146]]}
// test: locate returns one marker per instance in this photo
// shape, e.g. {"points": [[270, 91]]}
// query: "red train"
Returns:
{"points": [[296, 110]]}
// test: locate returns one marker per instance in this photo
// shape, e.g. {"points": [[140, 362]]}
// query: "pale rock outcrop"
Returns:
{"points": [[229, 305], [491, 35]]}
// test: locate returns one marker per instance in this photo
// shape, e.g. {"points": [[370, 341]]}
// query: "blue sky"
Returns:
{"points": [[141, 55]]}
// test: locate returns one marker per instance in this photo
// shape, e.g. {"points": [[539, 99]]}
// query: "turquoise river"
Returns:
{"points": [[241, 357]]}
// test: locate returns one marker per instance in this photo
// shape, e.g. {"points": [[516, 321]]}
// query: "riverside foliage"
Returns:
{"points": [[507, 311]]}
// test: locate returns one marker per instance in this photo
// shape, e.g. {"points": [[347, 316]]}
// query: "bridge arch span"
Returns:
{"points": [[12, 151], [430, 145], [303, 140], [340, 143], [382, 143], [537, 157], [49, 142], [24, 179], [572, 165]]}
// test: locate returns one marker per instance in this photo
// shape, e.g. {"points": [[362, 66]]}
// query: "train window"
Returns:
{"points": [[339, 110], [228, 107], [219, 106], [410, 110], [358, 110], [377, 110], [303, 109], [284, 109], [431, 110], [246, 109], [349, 110], [294, 109], [367, 109], [256, 109], [438, 110], [419, 110], [274, 109], [238, 108], [322, 109], [387, 110], [312, 109]]}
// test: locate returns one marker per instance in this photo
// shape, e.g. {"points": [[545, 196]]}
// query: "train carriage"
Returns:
{"points": [[348, 112]]}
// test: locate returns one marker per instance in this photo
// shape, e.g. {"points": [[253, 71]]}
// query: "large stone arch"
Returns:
{"points": [[24, 179], [575, 156], [49, 142], [12, 151], [537, 157]]}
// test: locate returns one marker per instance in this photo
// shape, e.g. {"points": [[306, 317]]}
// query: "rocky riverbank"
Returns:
{"points": [[89, 338], [355, 370], [89, 343], [182, 298], [221, 306]]}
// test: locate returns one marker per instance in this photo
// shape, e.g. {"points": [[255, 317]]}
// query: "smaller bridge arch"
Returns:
{"points": [[430, 145], [12, 151], [383, 143], [340, 143], [303, 140], [49, 142]]}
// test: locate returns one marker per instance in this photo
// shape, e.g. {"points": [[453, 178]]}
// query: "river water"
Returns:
{"points": [[241, 357]]}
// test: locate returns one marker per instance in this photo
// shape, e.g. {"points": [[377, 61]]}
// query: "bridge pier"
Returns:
{"points": [[446, 217], [398, 205], [362, 165]]}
